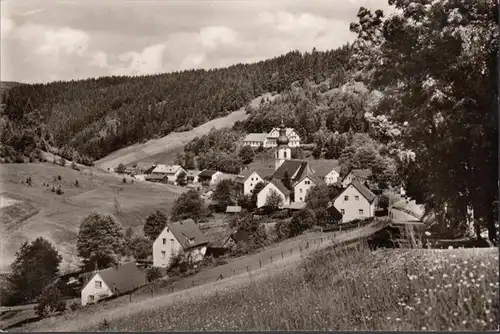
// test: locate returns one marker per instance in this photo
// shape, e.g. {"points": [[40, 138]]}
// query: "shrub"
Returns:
{"points": [[104, 325], [59, 191], [124, 180], [153, 274], [77, 184], [59, 177], [50, 302], [74, 306]]}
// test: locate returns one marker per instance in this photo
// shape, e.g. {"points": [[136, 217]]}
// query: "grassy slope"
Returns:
{"points": [[352, 290], [59, 216]]}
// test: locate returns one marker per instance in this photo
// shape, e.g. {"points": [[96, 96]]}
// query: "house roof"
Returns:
{"points": [[233, 209], [186, 230], [192, 172], [281, 187], [207, 173], [239, 236], [143, 166], [295, 168], [125, 277], [324, 166], [332, 210], [364, 191], [165, 169], [245, 174], [316, 179], [225, 176], [260, 137]]}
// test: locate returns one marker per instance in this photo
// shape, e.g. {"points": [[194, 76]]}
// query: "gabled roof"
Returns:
{"points": [[125, 277], [281, 187], [165, 169], [225, 176], [192, 172], [316, 179], [207, 173], [186, 230], [296, 206], [322, 167], [288, 132], [239, 236], [155, 177], [295, 168], [333, 212], [260, 137], [370, 197]]}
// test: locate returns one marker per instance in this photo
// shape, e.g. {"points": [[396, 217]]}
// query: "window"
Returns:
{"points": [[163, 254], [307, 182], [251, 184], [300, 190], [346, 198], [172, 240], [164, 241], [301, 199], [98, 284], [91, 298], [356, 198], [360, 212], [284, 154], [342, 211]]}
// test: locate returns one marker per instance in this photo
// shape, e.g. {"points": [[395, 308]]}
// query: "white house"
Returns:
{"points": [[192, 176], [171, 172], [247, 181], [302, 187], [326, 169], [183, 236], [209, 176], [113, 280], [360, 175], [277, 186], [255, 140], [293, 137], [355, 202]]}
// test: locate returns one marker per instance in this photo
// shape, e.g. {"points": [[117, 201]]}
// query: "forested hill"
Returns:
{"points": [[88, 119]]}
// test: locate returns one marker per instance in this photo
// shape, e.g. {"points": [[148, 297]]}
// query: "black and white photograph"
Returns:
{"points": [[249, 165]]}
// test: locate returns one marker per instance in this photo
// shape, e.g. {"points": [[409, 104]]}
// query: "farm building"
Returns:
{"points": [[277, 186], [209, 176], [360, 175], [355, 202], [171, 172]]}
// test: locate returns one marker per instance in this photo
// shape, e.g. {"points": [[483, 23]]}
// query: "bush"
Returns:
{"points": [[50, 302], [104, 325], [154, 274], [59, 191], [74, 306], [124, 180], [77, 184], [59, 177]]}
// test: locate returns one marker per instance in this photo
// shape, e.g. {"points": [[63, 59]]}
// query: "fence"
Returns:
{"points": [[349, 225], [255, 262]]}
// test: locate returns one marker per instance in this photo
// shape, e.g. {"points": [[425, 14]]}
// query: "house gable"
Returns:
{"points": [[262, 195], [92, 293], [251, 181], [302, 187], [165, 247], [352, 204]]}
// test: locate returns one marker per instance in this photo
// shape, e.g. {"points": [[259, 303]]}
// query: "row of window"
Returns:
{"points": [[346, 198]]}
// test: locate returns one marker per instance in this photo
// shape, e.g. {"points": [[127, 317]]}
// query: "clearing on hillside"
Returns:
{"points": [[29, 211]]}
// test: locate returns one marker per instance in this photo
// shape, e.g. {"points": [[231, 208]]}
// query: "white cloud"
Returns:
{"points": [[148, 61], [99, 59], [6, 27]]}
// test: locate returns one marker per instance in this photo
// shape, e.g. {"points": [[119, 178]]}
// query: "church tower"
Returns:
{"points": [[283, 151]]}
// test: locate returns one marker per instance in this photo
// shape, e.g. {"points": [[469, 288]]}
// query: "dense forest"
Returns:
{"points": [[87, 119]]}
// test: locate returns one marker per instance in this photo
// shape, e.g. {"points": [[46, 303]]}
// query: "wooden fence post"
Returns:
{"points": [[247, 269], [281, 255], [260, 263], [130, 297], [271, 259], [290, 251], [193, 283], [234, 271]]}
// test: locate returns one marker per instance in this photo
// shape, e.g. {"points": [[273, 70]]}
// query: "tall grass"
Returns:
{"points": [[353, 289]]}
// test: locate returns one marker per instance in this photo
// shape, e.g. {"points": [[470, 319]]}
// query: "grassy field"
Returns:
{"points": [[31, 211], [352, 290]]}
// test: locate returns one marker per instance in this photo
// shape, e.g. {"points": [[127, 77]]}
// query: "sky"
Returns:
{"points": [[48, 40]]}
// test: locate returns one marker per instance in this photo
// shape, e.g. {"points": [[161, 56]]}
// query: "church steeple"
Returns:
{"points": [[283, 151]]}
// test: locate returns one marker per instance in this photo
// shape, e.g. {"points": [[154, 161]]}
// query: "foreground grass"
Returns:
{"points": [[347, 290]]}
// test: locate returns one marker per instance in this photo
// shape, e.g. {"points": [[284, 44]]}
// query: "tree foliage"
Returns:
{"points": [[154, 224], [274, 201], [36, 265], [50, 301], [189, 205], [100, 241], [224, 195]]}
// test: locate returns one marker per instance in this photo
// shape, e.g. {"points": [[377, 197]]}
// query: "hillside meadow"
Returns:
{"points": [[32, 211], [346, 290]]}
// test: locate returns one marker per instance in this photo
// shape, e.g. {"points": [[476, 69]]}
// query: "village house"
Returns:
{"points": [[233, 209], [266, 140], [144, 168], [277, 186], [361, 175], [209, 176], [302, 187], [117, 280], [327, 170], [333, 216], [179, 237], [226, 176], [255, 140], [171, 172], [355, 202], [247, 180]]}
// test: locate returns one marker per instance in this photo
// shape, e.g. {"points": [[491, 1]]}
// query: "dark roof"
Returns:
{"points": [[125, 277], [186, 230], [296, 168], [324, 166], [240, 236], [207, 173], [155, 177], [334, 213], [281, 187], [316, 179], [364, 191], [144, 166]]}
